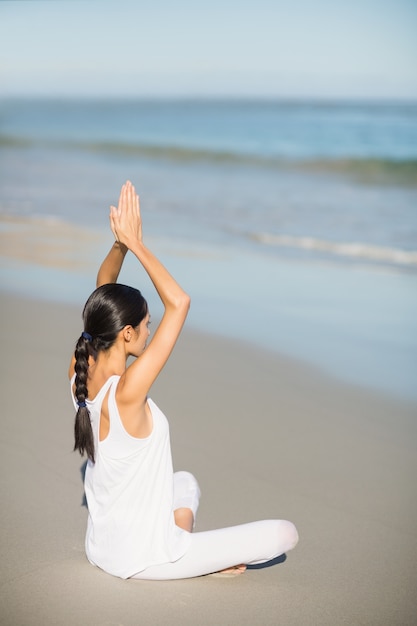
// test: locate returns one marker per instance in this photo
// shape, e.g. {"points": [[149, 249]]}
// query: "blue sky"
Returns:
{"points": [[290, 49]]}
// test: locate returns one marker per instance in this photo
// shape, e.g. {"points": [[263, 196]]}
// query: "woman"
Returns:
{"points": [[141, 514]]}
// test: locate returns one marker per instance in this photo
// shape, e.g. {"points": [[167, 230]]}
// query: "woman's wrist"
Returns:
{"points": [[118, 245], [134, 244]]}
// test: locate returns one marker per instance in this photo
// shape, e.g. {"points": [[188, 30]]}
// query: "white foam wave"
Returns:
{"points": [[349, 249]]}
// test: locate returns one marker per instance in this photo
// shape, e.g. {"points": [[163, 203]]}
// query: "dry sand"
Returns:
{"points": [[266, 437]]}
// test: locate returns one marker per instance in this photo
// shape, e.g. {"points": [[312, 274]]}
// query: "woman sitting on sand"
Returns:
{"points": [[140, 513]]}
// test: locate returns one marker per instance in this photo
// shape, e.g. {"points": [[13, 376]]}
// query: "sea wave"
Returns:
{"points": [[354, 250], [366, 170]]}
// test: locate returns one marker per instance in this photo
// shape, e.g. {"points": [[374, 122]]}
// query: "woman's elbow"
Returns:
{"points": [[181, 303], [186, 302]]}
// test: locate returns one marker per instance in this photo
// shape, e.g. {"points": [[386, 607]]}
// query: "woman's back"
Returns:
{"points": [[129, 491]]}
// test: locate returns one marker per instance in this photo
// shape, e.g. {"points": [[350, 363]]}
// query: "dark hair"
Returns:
{"points": [[107, 311]]}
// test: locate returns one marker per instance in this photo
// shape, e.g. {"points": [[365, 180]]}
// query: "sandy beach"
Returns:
{"points": [[266, 437]]}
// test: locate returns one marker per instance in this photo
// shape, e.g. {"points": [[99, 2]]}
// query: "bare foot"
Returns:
{"points": [[184, 518], [231, 571]]}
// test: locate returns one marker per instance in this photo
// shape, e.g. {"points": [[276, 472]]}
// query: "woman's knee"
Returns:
{"points": [[186, 491], [288, 533], [186, 481]]}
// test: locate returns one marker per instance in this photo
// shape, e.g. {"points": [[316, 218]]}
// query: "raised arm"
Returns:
{"points": [[126, 224], [112, 264]]}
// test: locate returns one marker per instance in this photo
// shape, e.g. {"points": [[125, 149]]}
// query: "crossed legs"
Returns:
{"points": [[224, 548]]}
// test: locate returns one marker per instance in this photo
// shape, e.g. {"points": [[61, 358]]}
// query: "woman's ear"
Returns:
{"points": [[127, 333]]}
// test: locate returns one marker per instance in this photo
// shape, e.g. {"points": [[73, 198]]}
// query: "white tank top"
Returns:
{"points": [[129, 491]]}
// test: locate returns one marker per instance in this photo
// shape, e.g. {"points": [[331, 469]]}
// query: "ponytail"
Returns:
{"points": [[83, 432], [109, 309]]}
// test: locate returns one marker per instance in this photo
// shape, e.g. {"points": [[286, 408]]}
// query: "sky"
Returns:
{"points": [[316, 49]]}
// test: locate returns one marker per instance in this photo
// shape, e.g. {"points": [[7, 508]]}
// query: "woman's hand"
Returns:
{"points": [[140, 375], [125, 220]]}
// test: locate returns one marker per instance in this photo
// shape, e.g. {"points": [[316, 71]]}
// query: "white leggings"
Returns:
{"points": [[214, 550]]}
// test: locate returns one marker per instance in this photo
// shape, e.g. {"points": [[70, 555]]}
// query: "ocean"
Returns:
{"points": [[293, 225]]}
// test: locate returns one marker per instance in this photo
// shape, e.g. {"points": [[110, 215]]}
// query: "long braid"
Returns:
{"points": [[107, 311], [83, 433]]}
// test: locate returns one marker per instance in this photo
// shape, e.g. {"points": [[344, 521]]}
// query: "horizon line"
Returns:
{"points": [[285, 99]]}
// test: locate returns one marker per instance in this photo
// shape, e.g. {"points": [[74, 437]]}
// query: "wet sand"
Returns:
{"points": [[266, 437]]}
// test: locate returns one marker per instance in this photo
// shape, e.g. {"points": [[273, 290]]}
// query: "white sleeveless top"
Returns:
{"points": [[129, 491]]}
